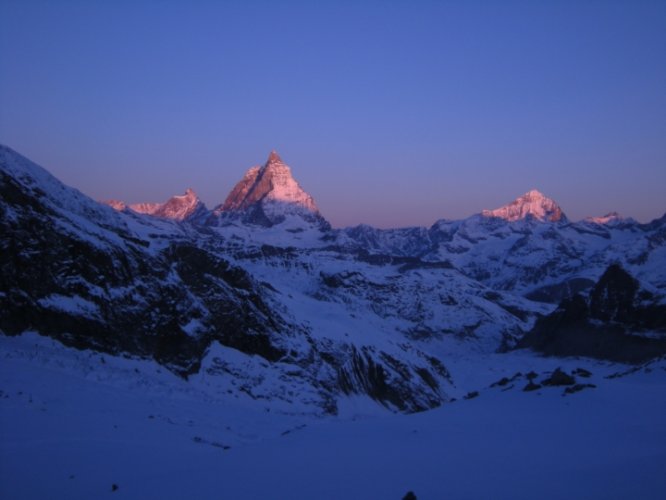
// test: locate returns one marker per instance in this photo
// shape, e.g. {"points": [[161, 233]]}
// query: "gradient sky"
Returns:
{"points": [[389, 113]]}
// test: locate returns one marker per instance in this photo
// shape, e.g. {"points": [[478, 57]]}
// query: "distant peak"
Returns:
{"points": [[274, 157], [610, 219], [532, 204], [115, 204]]}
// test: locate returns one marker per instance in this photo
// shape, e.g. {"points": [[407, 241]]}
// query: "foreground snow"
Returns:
{"points": [[75, 423]]}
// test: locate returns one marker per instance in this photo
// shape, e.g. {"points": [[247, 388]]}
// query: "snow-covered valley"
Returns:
{"points": [[75, 423]]}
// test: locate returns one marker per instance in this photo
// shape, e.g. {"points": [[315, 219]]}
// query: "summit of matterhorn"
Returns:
{"points": [[532, 204], [271, 183], [269, 194]]}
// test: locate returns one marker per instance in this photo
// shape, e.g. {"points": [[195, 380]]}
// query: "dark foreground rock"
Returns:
{"points": [[617, 321]]}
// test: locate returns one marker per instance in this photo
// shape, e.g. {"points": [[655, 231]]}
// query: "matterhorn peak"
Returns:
{"points": [[274, 157], [271, 183], [533, 204], [270, 191]]}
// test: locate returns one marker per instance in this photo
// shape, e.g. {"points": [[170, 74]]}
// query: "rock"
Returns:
{"points": [[606, 324], [578, 387], [558, 377], [531, 386], [501, 382]]}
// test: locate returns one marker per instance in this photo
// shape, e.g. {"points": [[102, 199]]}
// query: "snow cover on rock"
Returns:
{"points": [[610, 219], [180, 207], [272, 182], [267, 196], [144, 208], [531, 204]]}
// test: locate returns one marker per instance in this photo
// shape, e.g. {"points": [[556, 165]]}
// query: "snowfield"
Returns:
{"points": [[75, 423]]}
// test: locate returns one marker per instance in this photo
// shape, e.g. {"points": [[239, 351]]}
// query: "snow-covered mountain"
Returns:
{"points": [[535, 257], [610, 219], [267, 196], [147, 208], [270, 323], [532, 204], [328, 313], [126, 283], [187, 206]]}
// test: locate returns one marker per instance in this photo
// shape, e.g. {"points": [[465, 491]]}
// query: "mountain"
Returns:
{"points": [[117, 283], [222, 341], [298, 314], [269, 195], [184, 207], [610, 219], [97, 280], [533, 257], [532, 204]]}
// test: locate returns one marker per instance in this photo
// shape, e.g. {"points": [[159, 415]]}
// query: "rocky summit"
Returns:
{"points": [[532, 204], [268, 195]]}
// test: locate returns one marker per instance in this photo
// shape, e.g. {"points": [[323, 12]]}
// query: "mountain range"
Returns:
{"points": [[273, 189], [263, 291]]}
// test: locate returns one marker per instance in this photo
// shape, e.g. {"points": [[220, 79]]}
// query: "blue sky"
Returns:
{"points": [[389, 113]]}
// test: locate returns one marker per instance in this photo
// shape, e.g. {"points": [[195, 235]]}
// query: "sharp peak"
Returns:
{"points": [[274, 157]]}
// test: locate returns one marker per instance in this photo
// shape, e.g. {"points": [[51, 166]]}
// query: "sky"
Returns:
{"points": [[390, 113]]}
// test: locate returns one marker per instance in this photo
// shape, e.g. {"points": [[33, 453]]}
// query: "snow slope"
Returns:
{"points": [[82, 423]]}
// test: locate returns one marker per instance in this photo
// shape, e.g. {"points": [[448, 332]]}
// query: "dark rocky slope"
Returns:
{"points": [[616, 321]]}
